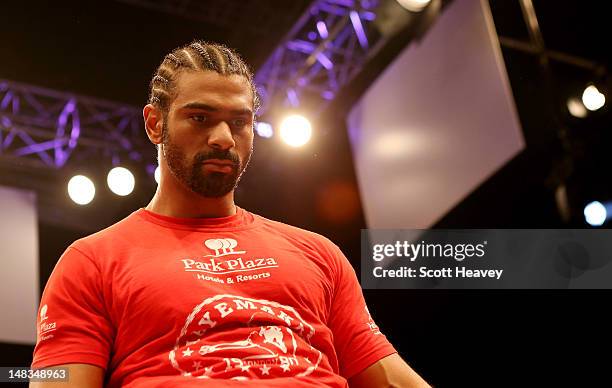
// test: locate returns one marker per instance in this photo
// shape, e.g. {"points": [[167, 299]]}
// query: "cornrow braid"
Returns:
{"points": [[231, 62], [219, 60], [205, 55], [198, 55], [159, 78], [173, 58]]}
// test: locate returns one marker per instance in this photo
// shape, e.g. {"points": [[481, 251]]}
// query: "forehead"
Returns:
{"points": [[226, 92]]}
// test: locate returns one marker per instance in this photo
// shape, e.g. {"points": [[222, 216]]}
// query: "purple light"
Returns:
{"points": [[8, 139], [312, 35], [123, 123], [368, 15], [61, 155], [16, 105], [368, 3], [324, 60], [292, 97], [363, 40], [6, 100], [135, 156], [301, 46], [35, 148], [322, 28], [6, 122], [328, 95], [264, 129]]}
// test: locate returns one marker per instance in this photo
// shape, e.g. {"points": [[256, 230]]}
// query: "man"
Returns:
{"points": [[195, 291]]}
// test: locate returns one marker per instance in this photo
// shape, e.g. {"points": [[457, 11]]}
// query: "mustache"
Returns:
{"points": [[201, 157]]}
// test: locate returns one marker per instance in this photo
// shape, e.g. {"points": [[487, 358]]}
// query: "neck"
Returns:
{"points": [[173, 199]]}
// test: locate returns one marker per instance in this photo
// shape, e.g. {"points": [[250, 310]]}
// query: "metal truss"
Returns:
{"points": [[45, 128], [324, 51]]}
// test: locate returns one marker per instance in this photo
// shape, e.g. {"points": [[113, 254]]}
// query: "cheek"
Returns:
{"points": [[246, 145]]}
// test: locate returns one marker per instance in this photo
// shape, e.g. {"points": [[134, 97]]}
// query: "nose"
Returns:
{"points": [[220, 137]]}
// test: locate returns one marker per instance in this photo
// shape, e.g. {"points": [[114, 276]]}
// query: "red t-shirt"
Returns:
{"points": [[239, 300]]}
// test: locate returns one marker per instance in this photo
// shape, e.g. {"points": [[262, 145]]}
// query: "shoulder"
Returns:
{"points": [[296, 234], [114, 235], [307, 241]]}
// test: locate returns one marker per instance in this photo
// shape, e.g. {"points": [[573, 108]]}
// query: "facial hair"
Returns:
{"points": [[191, 174]]}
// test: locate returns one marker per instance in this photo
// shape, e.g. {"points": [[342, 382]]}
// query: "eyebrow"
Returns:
{"points": [[210, 108]]}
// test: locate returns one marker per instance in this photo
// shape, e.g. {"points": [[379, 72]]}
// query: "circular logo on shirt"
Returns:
{"points": [[233, 337]]}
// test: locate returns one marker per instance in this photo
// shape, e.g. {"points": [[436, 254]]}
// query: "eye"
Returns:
{"points": [[239, 123], [199, 118]]}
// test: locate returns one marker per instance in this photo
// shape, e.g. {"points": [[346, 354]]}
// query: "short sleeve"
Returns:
{"points": [[73, 324], [358, 341]]}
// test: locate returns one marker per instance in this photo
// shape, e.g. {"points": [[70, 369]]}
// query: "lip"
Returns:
{"points": [[219, 162], [217, 165]]}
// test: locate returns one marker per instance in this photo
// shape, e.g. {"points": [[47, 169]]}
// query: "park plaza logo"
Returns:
{"points": [[45, 326], [224, 257], [43, 313], [222, 246]]}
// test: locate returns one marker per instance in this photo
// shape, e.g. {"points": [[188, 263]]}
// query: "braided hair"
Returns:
{"points": [[198, 55]]}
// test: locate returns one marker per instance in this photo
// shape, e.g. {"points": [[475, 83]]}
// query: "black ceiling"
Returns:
{"points": [[110, 49]]}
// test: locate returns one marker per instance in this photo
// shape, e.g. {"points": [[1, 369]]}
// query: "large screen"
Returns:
{"points": [[19, 261], [436, 124]]}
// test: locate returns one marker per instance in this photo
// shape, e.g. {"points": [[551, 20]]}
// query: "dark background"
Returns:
{"points": [[109, 49]]}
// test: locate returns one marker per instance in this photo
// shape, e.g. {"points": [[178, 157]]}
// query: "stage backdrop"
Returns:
{"points": [[19, 257], [436, 124]]}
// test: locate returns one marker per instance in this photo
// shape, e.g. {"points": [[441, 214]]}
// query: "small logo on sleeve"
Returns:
{"points": [[371, 324], [45, 328], [43, 313]]}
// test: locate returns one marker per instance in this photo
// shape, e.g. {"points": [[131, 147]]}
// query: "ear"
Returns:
{"points": [[154, 121]]}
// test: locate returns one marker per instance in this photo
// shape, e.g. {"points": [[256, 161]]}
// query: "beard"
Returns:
{"points": [[191, 174]]}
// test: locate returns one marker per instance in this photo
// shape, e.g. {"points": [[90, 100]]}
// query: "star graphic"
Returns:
{"points": [[197, 365], [244, 368], [307, 360], [265, 370], [208, 370], [187, 353], [285, 367]]}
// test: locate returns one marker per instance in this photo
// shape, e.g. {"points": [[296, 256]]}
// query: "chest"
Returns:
{"points": [[157, 286]]}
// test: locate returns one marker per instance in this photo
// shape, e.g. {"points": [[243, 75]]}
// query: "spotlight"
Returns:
{"points": [[121, 181], [264, 129], [595, 213], [81, 189], [157, 174], [295, 130], [414, 5], [592, 98], [576, 108]]}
